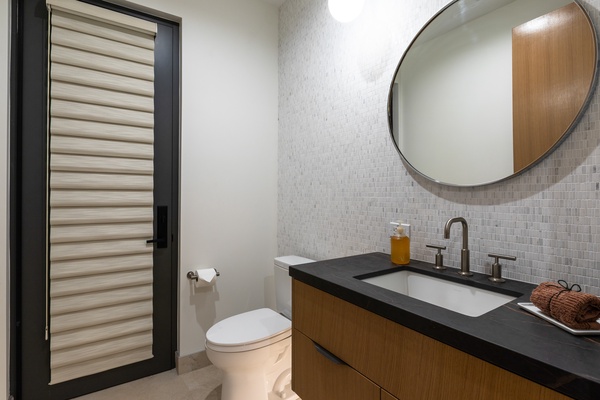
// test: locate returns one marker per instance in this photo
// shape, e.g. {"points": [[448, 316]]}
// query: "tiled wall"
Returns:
{"points": [[341, 181]]}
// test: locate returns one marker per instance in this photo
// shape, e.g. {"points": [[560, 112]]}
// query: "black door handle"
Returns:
{"points": [[324, 352], [162, 228]]}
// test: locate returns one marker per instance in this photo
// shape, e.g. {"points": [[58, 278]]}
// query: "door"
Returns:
{"points": [[29, 269], [551, 79]]}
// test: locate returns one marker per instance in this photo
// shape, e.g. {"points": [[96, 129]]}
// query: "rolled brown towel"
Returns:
{"points": [[574, 309]]}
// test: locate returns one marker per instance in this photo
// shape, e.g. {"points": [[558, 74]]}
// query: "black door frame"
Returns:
{"points": [[28, 76]]}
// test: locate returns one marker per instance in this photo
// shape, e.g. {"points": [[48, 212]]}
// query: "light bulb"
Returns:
{"points": [[346, 10]]}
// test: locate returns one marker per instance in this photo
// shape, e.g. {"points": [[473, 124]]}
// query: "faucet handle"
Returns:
{"points": [[439, 257], [497, 268]]}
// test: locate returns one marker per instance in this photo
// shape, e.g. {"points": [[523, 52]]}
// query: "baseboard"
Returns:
{"points": [[191, 362]]}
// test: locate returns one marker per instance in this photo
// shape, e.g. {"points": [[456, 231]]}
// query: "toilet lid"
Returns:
{"points": [[248, 331]]}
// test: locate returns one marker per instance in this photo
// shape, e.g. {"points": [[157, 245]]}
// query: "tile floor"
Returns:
{"points": [[201, 384]]}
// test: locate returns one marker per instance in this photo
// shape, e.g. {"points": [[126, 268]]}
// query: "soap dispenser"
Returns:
{"points": [[400, 243]]}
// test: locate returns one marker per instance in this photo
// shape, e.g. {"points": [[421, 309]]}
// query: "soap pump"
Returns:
{"points": [[400, 243]]}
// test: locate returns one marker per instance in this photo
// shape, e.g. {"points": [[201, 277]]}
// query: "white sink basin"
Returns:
{"points": [[463, 299]]}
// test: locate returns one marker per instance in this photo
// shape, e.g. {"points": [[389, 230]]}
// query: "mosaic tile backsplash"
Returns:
{"points": [[341, 180]]}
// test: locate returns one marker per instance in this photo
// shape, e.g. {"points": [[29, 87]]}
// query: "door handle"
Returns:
{"points": [[162, 228]]}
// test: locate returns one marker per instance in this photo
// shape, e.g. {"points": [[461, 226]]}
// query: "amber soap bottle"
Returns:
{"points": [[400, 243]]}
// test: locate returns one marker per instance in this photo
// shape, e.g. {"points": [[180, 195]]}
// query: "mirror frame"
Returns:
{"points": [[564, 136]]}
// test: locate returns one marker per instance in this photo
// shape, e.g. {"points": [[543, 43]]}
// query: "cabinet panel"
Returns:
{"points": [[406, 363], [316, 377], [386, 396], [344, 329]]}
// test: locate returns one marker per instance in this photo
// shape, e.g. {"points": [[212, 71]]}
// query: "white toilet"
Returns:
{"points": [[254, 349]]}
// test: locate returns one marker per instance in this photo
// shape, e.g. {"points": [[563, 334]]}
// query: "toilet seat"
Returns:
{"points": [[248, 331]]}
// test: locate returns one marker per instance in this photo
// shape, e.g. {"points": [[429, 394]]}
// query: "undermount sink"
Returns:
{"points": [[460, 298]]}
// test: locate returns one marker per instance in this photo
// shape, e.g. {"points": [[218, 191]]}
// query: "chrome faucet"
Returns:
{"points": [[464, 254]]}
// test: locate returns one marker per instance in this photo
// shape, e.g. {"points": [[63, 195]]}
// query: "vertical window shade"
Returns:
{"points": [[101, 118]]}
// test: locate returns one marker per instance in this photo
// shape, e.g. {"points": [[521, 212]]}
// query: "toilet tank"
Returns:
{"points": [[283, 283]]}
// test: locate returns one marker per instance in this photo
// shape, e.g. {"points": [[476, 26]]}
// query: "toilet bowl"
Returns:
{"points": [[254, 349]]}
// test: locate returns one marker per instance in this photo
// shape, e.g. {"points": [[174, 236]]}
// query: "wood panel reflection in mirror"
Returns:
{"points": [[472, 103]]}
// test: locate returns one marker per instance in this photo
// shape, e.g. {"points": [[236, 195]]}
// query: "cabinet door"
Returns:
{"points": [[386, 396], [318, 375]]}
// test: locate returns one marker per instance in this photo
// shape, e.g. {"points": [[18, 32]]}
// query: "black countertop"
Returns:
{"points": [[508, 337]]}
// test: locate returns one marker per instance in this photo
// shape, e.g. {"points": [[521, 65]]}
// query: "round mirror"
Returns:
{"points": [[489, 87]]}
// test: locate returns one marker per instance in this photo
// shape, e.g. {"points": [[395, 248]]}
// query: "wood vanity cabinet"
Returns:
{"points": [[384, 360]]}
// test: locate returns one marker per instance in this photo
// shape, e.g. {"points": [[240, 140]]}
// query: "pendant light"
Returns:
{"points": [[346, 10]]}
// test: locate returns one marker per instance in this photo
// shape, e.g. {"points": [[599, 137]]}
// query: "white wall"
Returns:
{"points": [[447, 76], [4, 40], [228, 164], [228, 157], [341, 181]]}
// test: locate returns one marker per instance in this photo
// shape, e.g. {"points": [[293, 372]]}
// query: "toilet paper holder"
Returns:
{"points": [[192, 275]]}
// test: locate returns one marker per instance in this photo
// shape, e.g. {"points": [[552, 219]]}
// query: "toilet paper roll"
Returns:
{"points": [[206, 277]]}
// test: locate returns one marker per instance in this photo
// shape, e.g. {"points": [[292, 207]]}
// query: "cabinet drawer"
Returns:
{"points": [[317, 376], [349, 332]]}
